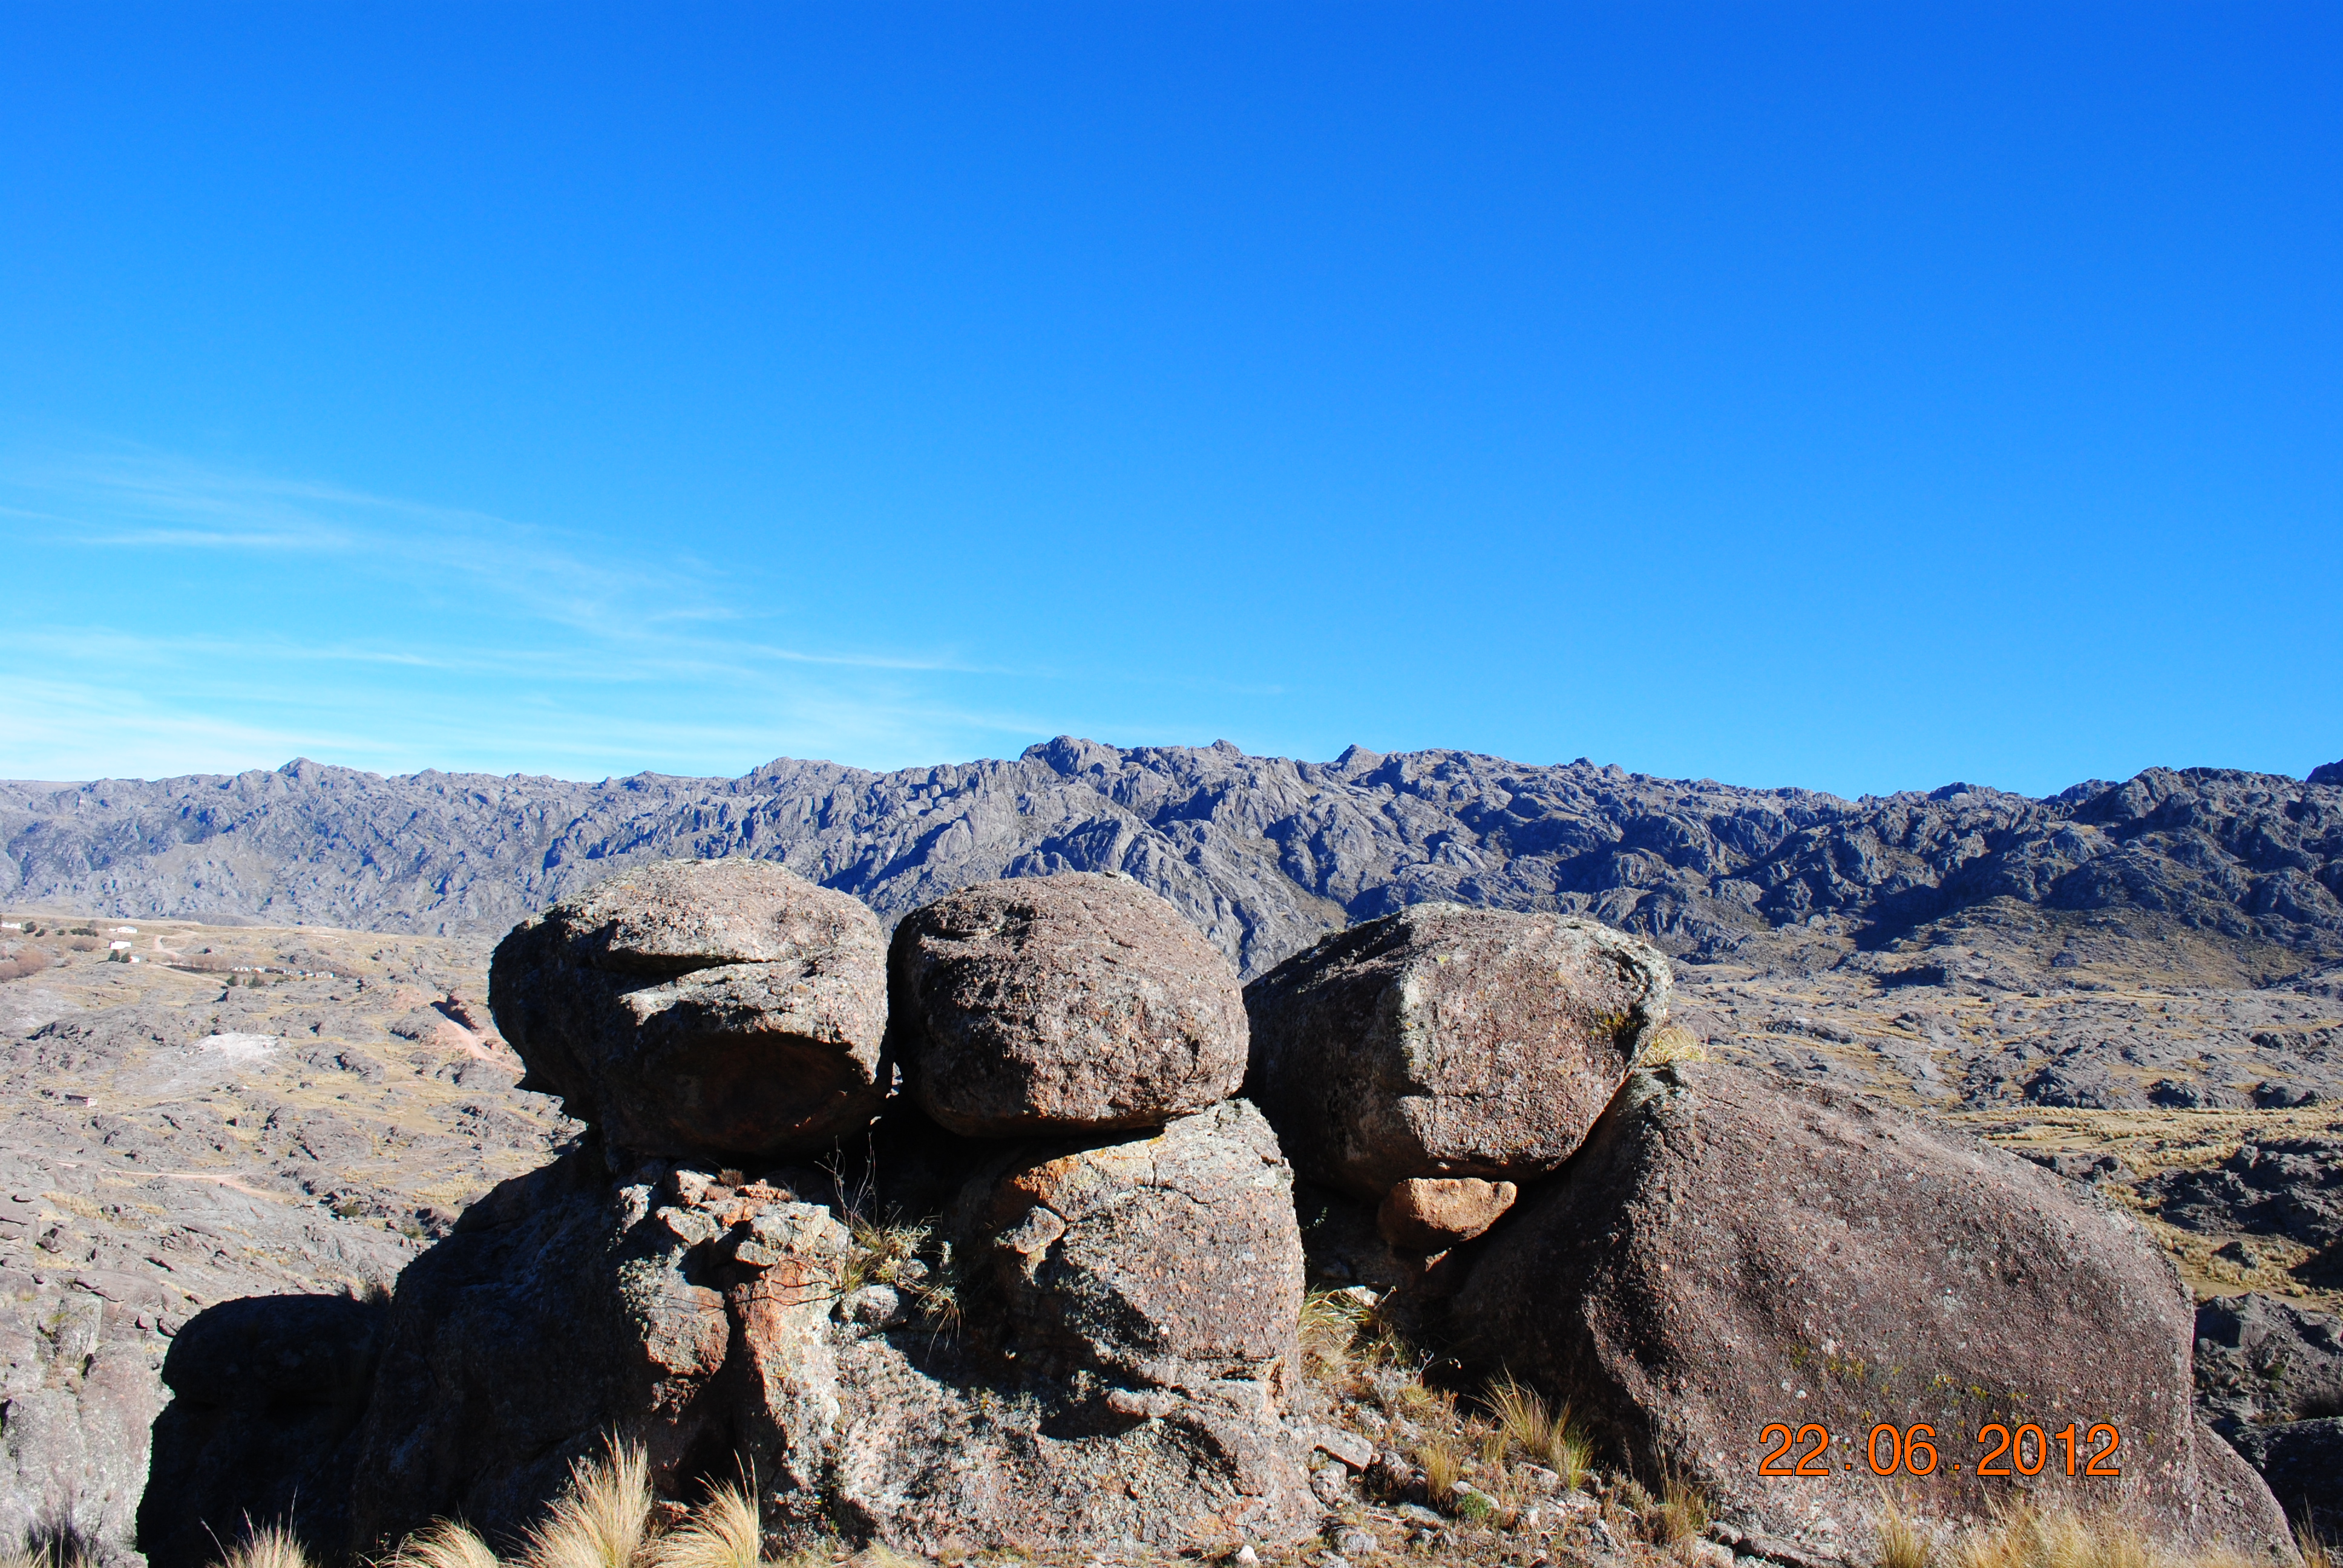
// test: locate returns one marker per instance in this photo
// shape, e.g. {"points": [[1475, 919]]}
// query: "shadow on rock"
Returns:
{"points": [[269, 1392]]}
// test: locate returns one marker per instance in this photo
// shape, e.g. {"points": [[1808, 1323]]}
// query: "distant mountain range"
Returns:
{"points": [[1263, 852]]}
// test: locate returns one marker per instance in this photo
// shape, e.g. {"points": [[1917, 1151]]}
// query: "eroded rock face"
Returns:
{"points": [[702, 1010], [1729, 1251], [1158, 1262], [570, 1304], [1062, 1004], [1123, 1377], [2260, 1359], [1450, 1041]]}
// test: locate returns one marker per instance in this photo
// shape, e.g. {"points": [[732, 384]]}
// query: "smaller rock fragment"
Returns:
{"points": [[1434, 1213]]}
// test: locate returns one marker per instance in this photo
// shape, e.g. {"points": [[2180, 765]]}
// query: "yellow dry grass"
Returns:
{"points": [[443, 1543], [2029, 1537], [1547, 1436], [267, 1546], [722, 1532], [602, 1520]]}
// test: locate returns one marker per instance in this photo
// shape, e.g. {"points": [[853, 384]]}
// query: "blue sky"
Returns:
{"points": [[1858, 396]]}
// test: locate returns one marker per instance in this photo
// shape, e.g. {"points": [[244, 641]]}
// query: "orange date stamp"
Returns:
{"points": [[1912, 1451]]}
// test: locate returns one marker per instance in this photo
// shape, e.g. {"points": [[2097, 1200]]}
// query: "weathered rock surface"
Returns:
{"points": [[267, 1393], [1137, 1336], [2270, 1378], [1108, 1361], [1728, 1253], [1433, 1213], [705, 1008], [1449, 1042], [1265, 854], [1074, 1002]]}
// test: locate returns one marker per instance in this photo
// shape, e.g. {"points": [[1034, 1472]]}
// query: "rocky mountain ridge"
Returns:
{"points": [[1266, 854]]}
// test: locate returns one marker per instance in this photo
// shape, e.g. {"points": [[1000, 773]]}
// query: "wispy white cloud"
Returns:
{"points": [[397, 635]]}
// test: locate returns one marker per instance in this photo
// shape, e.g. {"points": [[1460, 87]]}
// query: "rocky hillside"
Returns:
{"points": [[1265, 853]]}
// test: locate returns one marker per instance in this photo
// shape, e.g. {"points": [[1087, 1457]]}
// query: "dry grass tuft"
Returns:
{"points": [[721, 1532], [1331, 1321], [601, 1521], [267, 1546], [2317, 1551], [1444, 1467], [1680, 1513], [1421, 1404], [2026, 1536], [443, 1543], [888, 1252], [1902, 1542], [1674, 1044], [1547, 1436]]}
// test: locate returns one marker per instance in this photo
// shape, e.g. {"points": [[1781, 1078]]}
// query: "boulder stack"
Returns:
{"points": [[1064, 1316], [702, 1009], [1446, 1042], [1054, 1004]]}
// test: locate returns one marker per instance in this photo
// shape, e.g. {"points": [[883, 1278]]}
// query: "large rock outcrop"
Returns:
{"points": [[1064, 1002], [2270, 1378], [701, 1008], [1728, 1253], [1444, 1041]]}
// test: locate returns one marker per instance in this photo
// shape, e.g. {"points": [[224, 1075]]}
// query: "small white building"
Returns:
{"points": [[118, 947]]}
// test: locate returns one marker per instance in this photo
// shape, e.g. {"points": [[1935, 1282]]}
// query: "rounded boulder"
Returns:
{"points": [[1446, 1042], [1735, 1260], [1078, 1002], [702, 1009]]}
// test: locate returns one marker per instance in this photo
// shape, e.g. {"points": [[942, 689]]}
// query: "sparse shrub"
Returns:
{"points": [[602, 1518], [27, 961]]}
